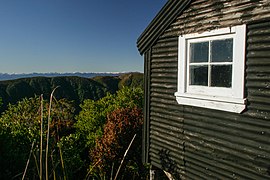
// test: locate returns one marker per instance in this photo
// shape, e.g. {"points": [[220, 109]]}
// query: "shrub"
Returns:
{"points": [[70, 141], [122, 124], [92, 117], [20, 127]]}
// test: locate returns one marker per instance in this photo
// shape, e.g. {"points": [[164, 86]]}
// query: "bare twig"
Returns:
{"points": [[112, 171], [86, 177], [41, 137], [124, 156], [28, 160], [62, 162], [53, 167], [48, 134], [36, 162]]}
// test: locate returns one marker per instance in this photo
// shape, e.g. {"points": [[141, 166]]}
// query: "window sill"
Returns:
{"points": [[235, 105]]}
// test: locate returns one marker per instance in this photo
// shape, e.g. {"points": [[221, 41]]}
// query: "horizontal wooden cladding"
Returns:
{"points": [[201, 170], [239, 145], [161, 96], [255, 61], [161, 80], [259, 54], [155, 76], [168, 65], [168, 118], [165, 49], [258, 84], [238, 121], [164, 85], [203, 15], [166, 123], [201, 166], [158, 152], [163, 91], [257, 128], [166, 45], [260, 92], [165, 55], [165, 151], [167, 101], [165, 70], [164, 74], [170, 108], [225, 145], [167, 141], [258, 69], [230, 138], [257, 41], [155, 161]]}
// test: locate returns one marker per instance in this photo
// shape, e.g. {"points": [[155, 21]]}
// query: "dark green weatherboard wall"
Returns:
{"points": [[199, 143]]}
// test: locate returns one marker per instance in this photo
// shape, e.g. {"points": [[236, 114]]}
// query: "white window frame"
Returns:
{"points": [[219, 98]]}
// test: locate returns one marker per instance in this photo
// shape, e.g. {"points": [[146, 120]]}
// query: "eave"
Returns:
{"points": [[160, 23]]}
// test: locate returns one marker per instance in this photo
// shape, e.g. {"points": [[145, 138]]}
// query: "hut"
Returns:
{"points": [[207, 89]]}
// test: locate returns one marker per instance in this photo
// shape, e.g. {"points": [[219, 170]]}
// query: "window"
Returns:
{"points": [[211, 69]]}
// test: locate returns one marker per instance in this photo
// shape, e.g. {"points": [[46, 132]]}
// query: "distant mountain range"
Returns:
{"points": [[6, 76]]}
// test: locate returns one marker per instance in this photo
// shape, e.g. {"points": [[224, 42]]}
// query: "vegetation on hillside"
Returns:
{"points": [[115, 83], [79, 145], [75, 89]]}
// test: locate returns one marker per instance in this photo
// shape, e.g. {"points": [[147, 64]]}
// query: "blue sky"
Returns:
{"points": [[73, 35]]}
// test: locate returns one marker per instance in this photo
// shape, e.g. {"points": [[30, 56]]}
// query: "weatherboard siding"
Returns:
{"points": [[199, 143], [166, 121], [204, 15]]}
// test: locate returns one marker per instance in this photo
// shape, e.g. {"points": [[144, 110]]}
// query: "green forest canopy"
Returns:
{"points": [[75, 89]]}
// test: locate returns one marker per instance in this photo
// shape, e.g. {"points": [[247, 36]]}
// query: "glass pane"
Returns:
{"points": [[199, 52], [222, 50], [221, 76], [199, 75]]}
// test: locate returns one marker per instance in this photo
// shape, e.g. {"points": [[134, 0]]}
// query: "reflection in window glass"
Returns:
{"points": [[222, 50], [199, 52], [221, 76], [199, 75]]}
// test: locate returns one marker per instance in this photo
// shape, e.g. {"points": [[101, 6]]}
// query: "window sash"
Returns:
{"points": [[208, 90], [227, 99]]}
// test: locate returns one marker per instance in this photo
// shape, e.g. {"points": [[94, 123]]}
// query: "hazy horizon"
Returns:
{"points": [[113, 72], [14, 76]]}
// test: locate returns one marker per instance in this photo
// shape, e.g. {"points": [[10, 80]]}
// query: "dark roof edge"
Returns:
{"points": [[161, 22]]}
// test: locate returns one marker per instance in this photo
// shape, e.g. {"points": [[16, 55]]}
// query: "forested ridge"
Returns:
{"points": [[71, 88]]}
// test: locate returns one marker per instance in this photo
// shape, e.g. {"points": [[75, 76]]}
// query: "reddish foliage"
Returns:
{"points": [[121, 126]]}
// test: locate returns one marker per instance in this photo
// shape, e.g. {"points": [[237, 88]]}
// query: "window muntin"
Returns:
{"points": [[211, 68]]}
